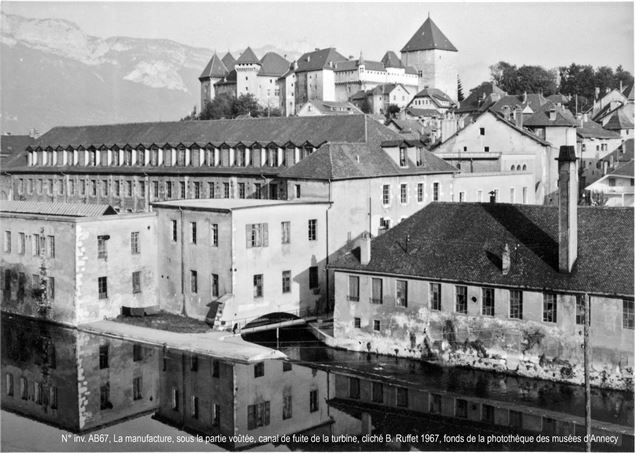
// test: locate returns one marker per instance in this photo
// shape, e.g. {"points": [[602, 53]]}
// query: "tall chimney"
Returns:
{"points": [[568, 209], [364, 249]]}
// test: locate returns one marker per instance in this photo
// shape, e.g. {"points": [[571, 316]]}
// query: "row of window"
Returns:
{"points": [[104, 393], [39, 285], [488, 302], [102, 285], [270, 156], [102, 245], [40, 244], [138, 354], [159, 190], [40, 394], [386, 193], [377, 392], [256, 234], [494, 195]]}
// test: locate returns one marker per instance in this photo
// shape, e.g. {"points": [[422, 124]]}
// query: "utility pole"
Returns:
{"points": [[587, 360]]}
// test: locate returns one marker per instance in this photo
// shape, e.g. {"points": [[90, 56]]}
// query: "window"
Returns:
{"points": [[287, 411], [384, 223], [298, 191], [403, 193], [168, 189], [137, 352], [24, 389], [214, 234], [193, 281], [9, 384], [286, 281], [215, 290], [193, 232], [257, 235], [314, 403], [197, 190], [402, 397], [377, 392], [377, 295], [155, 189], [353, 388], [53, 397], [194, 363], [102, 249], [385, 194], [134, 243], [103, 356], [136, 282], [241, 190], [258, 415], [420, 192], [460, 409], [175, 230], [580, 309], [486, 149], [312, 229], [488, 301], [136, 388], [129, 188], [482, 131], [357, 323], [22, 243], [461, 299], [403, 162], [435, 404], [435, 191], [51, 246], [487, 413], [313, 277], [102, 286], [142, 189], [515, 419], [258, 191], [215, 414], [377, 325], [50, 288], [353, 288], [549, 308], [401, 293], [104, 188], [259, 369], [7, 242], [210, 188], [225, 190], [182, 189], [286, 232], [515, 304], [258, 285], [175, 399], [104, 397], [628, 318], [215, 368], [117, 188]]}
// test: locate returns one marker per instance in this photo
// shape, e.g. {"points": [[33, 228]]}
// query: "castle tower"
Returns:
{"points": [[247, 67], [213, 72], [432, 54]]}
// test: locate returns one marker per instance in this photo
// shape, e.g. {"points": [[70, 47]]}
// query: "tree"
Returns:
{"points": [[530, 79], [220, 107], [504, 74], [625, 77], [392, 111], [459, 89], [364, 106], [246, 104]]}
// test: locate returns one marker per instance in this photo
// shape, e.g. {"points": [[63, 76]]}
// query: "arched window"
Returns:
{"points": [[525, 167], [513, 167]]}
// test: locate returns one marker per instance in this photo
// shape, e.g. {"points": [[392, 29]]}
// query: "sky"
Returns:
{"points": [[546, 34]]}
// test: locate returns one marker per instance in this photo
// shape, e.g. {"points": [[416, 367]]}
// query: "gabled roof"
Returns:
{"points": [[619, 121], [248, 57], [534, 101], [316, 130], [339, 161], [463, 242], [411, 70], [229, 61], [273, 65], [591, 129], [352, 65], [229, 79], [563, 117], [215, 68], [428, 37], [624, 153], [391, 60], [319, 59], [628, 92], [435, 94], [358, 95], [385, 88], [424, 113], [14, 144], [624, 170], [57, 209], [480, 98]]}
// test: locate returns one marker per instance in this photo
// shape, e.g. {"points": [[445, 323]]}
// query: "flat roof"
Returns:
{"points": [[231, 204]]}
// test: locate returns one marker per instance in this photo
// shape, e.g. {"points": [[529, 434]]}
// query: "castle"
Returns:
{"points": [[428, 60]]}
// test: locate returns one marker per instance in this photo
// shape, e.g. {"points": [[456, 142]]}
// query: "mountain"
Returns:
{"points": [[54, 74]]}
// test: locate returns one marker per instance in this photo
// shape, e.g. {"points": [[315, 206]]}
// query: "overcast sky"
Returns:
{"points": [[547, 34]]}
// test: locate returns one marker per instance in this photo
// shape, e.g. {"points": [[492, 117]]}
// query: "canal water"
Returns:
{"points": [[68, 390]]}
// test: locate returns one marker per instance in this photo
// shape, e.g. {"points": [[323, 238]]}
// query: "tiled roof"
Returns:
{"points": [[280, 130], [273, 65], [541, 118], [335, 107], [229, 61], [391, 60], [319, 59], [435, 94], [619, 121], [358, 96], [385, 88], [624, 153], [338, 161], [352, 65], [14, 144], [591, 129], [474, 101], [215, 68], [558, 98], [628, 92], [426, 113], [248, 57], [230, 79], [624, 170], [411, 70], [429, 36], [57, 209], [463, 242], [534, 100]]}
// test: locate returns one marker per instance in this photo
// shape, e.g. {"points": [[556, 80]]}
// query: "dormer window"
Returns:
{"points": [[552, 115], [403, 162]]}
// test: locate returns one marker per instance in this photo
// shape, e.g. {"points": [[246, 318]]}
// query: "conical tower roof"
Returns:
{"points": [[248, 57], [229, 61], [214, 69], [428, 37]]}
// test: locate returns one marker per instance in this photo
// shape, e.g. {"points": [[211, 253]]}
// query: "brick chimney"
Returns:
{"points": [[568, 209]]}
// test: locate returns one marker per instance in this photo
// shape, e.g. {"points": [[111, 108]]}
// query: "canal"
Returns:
{"points": [[66, 389]]}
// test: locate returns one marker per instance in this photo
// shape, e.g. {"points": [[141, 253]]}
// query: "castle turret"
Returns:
{"points": [[213, 72], [432, 54], [247, 67]]}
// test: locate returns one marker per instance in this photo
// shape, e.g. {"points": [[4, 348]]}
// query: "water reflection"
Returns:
{"points": [[323, 399]]}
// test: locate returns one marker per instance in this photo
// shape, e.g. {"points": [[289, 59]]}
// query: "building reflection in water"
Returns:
{"points": [[81, 382]]}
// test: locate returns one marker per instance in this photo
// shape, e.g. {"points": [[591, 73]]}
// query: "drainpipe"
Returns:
{"points": [[184, 310], [328, 287]]}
